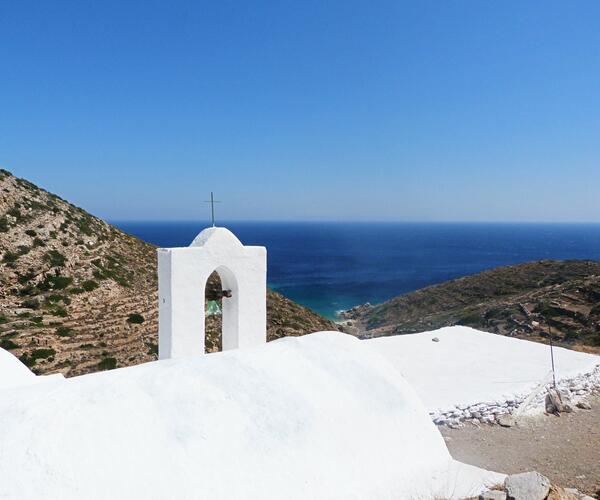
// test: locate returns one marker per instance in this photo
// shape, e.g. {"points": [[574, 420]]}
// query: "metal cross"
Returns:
{"points": [[212, 202]]}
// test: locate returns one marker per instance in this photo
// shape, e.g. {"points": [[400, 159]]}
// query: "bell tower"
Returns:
{"points": [[182, 276]]}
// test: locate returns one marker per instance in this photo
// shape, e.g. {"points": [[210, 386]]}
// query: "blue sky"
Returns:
{"points": [[337, 110]]}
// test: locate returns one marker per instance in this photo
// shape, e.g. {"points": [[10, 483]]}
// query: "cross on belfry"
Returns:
{"points": [[212, 202]]}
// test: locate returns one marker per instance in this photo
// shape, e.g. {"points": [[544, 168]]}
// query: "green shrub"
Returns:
{"points": [[135, 319], [25, 278], [9, 257], [107, 364], [89, 285], [112, 270], [44, 286], [56, 297], [27, 290], [152, 348], [76, 290], [38, 242], [55, 258], [59, 311], [43, 353], [30, 232], [64, 331], [470, 319], [3, 225], [23, 249], [3, 319], [30, 304], [29, 360], [8, 344], [14, 211], [59, 282]]}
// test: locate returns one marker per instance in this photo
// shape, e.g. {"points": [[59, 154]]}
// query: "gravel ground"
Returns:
{"points": [[566, 449]]}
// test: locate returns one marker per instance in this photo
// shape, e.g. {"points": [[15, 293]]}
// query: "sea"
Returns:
{"points": [[332, 266]]}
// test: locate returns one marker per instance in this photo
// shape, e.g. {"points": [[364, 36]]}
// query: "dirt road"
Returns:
{"points": [[566, 449]]}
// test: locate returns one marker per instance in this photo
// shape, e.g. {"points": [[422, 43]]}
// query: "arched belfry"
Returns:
{"points": [[182, 276]]}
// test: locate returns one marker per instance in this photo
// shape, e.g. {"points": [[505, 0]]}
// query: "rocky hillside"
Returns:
{"points": [[77, 295], [523, 300]]}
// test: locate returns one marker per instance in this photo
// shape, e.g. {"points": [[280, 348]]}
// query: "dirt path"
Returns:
{"points": [[566, 449]]}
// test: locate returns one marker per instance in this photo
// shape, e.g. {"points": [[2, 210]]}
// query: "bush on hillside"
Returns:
{"points": [[64, 331], [30, 304], [89, 285], [9, 257], [55, 258], [8, 344], [29, 360], [135, 319], [107, 364]]}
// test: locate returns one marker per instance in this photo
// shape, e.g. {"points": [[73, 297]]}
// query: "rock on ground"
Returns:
{"points": [[527, 486]]}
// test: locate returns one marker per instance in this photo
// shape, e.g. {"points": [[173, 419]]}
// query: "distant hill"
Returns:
{"points": [[521, 300], [78, 295]]}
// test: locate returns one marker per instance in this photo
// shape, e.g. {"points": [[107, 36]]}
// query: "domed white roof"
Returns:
{"points": [[218, 236]]}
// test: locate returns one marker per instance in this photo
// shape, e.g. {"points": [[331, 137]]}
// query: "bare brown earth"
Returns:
{"points": [[525, 301], [565, 449], [77, 295]]}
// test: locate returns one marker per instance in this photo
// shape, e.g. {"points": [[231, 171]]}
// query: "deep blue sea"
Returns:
{"points": [[333, 266]]}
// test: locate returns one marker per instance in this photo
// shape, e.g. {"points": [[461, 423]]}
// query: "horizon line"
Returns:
{"points": [[352, 221]]}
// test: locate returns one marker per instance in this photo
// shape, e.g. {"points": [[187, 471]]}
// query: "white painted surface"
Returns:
{"points": [[182, 277], [321, 416], [467, 366], [13, 373]]}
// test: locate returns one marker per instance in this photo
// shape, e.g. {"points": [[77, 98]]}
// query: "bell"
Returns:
{"points": [[212, 308]]}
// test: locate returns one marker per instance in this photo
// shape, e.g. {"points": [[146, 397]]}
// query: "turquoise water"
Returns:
{"points": [[333, 266]]}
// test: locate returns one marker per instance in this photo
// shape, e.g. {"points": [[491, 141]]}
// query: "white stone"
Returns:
{"points": [[182, 277], [527, 486]]}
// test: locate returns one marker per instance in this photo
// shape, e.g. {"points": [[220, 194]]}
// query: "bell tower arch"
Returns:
{"points": [[182, 276]]}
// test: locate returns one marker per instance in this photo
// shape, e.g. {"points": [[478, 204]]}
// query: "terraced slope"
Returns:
{"points": [[78, 295], [526, 300]]}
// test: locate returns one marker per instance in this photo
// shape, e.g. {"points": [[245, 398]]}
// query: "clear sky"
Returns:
{"points": [[338, 110]]}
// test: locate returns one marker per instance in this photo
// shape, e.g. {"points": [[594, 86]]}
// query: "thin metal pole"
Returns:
{"points": [[212, 207], [552, 355]]}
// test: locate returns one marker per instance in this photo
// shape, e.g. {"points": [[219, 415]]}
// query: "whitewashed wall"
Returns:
{"points": [[182, 277]]}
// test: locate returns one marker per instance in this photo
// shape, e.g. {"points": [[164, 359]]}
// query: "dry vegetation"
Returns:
{"points": [[526, 300]]}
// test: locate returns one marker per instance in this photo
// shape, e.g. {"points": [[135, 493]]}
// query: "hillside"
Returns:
{"points": [[78, 295], [521, 300]]}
